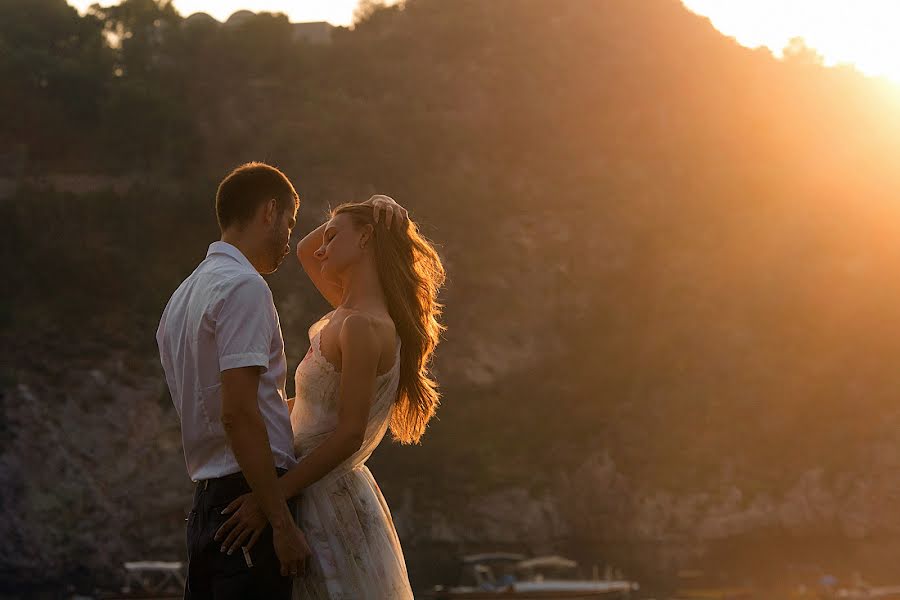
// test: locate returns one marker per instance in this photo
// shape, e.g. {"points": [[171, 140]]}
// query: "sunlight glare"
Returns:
{"points": [[857, 32]]}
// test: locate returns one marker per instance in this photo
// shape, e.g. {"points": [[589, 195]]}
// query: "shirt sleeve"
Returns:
{"points": [[245, 325]]}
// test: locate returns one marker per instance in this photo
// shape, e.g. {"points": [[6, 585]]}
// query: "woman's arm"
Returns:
{"points": [[360, 352], [306, 252], [332, 292]]}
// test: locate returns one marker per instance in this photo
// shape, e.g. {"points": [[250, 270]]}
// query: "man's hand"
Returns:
{"points": [[244, 526], [247, 523], [391, 209], [291, 549]]}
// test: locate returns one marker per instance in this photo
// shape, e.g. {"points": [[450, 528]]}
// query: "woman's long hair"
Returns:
{"points": [[411, 275]]}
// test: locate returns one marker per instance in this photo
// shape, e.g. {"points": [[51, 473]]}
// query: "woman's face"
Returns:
{"points": [[341, 246]]}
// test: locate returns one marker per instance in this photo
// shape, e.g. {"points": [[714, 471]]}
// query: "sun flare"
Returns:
{"points": [[861, 33]]}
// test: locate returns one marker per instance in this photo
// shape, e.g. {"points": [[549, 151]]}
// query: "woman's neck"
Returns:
{"points": [[362, 289]]}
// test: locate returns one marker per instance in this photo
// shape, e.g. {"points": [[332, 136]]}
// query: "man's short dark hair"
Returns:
{"points": [[248, 186]]}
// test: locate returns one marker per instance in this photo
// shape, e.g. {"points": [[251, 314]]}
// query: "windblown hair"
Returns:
{"points": [[411, 275]]}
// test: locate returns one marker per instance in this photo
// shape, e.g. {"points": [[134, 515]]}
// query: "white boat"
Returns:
{"points": [[506, 575], [870, 593]]}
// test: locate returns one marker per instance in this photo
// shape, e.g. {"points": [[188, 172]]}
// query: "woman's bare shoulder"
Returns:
{"points": [[370, 325]]}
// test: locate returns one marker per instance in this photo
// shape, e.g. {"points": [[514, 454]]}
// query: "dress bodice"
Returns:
{"points": [[315, 412]]}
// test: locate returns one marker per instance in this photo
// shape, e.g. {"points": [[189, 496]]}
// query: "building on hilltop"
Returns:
{"points": [[315, 32]]}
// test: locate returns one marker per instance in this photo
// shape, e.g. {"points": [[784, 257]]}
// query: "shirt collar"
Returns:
{"points": [[232, 251]]}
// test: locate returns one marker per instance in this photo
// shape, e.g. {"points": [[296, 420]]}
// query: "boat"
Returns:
{"points": [[887, 592], [509, 575], [150, 580], [816, 583]]}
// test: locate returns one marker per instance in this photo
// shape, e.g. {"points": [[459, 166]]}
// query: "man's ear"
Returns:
{"points": [[270, 211]]}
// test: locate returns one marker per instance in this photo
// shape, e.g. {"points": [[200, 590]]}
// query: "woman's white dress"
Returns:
{"points": [[356, 554]]}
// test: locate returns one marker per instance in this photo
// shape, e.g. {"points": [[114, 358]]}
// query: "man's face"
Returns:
{"points": [[281, 236]]}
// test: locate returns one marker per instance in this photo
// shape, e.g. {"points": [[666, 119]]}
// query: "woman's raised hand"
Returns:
{"points": [[391, 209]]}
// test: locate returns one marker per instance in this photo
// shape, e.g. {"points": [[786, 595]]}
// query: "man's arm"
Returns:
{"points": [[246, 433], [245, 324]]}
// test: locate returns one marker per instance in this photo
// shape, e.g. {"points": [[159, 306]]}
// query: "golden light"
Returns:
{"points": [[862, 33], [336, 12]]}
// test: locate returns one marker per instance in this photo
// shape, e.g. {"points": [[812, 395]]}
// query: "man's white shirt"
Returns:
{"points": [[223, 317]]}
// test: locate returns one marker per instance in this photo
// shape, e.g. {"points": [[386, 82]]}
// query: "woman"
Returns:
{"points": [[366, 370]]}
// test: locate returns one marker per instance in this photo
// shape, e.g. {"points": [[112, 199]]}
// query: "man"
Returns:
{"points": [[222, 351]]}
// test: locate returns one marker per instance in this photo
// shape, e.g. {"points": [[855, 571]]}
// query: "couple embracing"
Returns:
{"points": [[284, 505]]}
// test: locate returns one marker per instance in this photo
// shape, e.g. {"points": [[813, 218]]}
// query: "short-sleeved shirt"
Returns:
{"points": [[223, 317]]}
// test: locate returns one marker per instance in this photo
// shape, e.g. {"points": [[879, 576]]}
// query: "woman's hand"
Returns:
{"points": [[391, 209], [247, 523]]}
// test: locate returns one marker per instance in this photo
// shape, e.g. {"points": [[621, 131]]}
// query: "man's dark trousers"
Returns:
{"points": [[214, 575]]}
